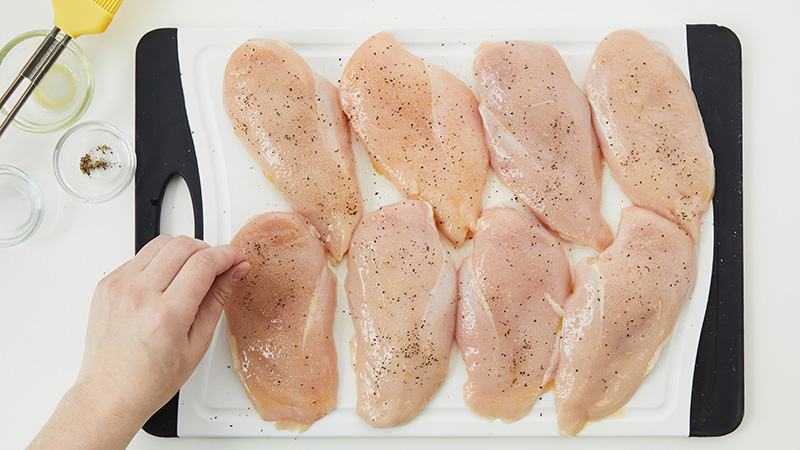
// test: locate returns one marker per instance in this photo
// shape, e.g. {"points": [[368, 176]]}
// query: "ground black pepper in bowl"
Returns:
{"points": [[89, 164]]}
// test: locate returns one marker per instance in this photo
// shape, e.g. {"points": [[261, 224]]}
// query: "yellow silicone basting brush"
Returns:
{"points": [[73, 17]]}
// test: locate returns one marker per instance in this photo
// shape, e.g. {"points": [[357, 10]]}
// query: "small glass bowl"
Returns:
{"points": [[21, 206], [63, 95], [94, 162]]}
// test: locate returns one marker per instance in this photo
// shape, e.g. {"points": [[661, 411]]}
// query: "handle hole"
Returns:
{"points": [[177, 216]]}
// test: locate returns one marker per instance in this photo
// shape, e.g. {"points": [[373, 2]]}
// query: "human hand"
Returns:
{"points": [[151, 321]]}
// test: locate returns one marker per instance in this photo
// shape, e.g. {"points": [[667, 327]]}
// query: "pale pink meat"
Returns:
{"points": [[401, 288], [511, 293], [280, 321], [541, 139], [421, 127], [623, 310], [650, 129], [289, 120]]}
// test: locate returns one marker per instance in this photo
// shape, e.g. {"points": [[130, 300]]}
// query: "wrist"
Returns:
{"points": [[103, 408], [83, 420]]}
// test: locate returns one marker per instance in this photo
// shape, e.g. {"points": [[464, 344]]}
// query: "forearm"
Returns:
{"points": [[80, 422]]}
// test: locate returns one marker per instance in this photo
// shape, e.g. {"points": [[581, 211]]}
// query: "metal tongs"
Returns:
{"points": [[76, 18]]}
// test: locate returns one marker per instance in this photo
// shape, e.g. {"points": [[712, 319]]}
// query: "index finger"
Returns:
{"points": [[195, 278]]}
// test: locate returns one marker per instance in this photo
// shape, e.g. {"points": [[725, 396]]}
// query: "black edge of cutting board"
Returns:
{"points": [[715, 66], [164, 148]]}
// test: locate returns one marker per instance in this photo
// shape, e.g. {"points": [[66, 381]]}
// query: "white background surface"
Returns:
{"points": [[47, 282]]}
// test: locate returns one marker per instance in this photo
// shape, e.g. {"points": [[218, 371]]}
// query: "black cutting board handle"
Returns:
{"points": [[164, 149], [715, 65]]}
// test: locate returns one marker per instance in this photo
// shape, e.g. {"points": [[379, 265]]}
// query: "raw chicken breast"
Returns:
{"points": [[421, 128], [511, 294], [280, 321], [650, 129], [289, 120], [542, 143], [623, 310], [402, 293]]}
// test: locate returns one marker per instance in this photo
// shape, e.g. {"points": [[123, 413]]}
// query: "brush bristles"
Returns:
{"points": [[109, 5]]}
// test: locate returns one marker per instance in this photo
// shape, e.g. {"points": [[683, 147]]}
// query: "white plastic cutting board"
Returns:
{"points": [[234, 189]]}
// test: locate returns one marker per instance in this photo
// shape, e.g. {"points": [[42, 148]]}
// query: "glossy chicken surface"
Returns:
{"points": [[650, 129], [623, 309], [511, 293], [280, 321], [401, 289], [543, 146], [289, 120], [421, 128]]}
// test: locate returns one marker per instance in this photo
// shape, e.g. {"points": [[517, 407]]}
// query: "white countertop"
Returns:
{"points": [[46, 283]]}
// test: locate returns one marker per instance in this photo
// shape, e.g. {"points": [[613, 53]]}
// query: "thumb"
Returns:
{"points": [[210, 308]]}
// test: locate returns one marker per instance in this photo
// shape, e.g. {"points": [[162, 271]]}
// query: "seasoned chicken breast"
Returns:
{"points": [[510, 299], [623, 310], [401, 288], [541, 140], [421, 128], [280, 321], [650, 129], [289, 120]]}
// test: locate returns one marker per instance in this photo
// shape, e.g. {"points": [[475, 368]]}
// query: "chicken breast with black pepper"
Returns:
{"points": [[650, 129], [289, 120], [421, 128], [543, 145], [511, 293], [280, 321], [401, 288], [624, 307]]}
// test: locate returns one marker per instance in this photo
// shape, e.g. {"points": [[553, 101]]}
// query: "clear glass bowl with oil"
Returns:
{"points": [[62, 95]]}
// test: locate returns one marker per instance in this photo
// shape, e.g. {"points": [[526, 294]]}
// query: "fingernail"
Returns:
{"points": [[240, 271]]}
